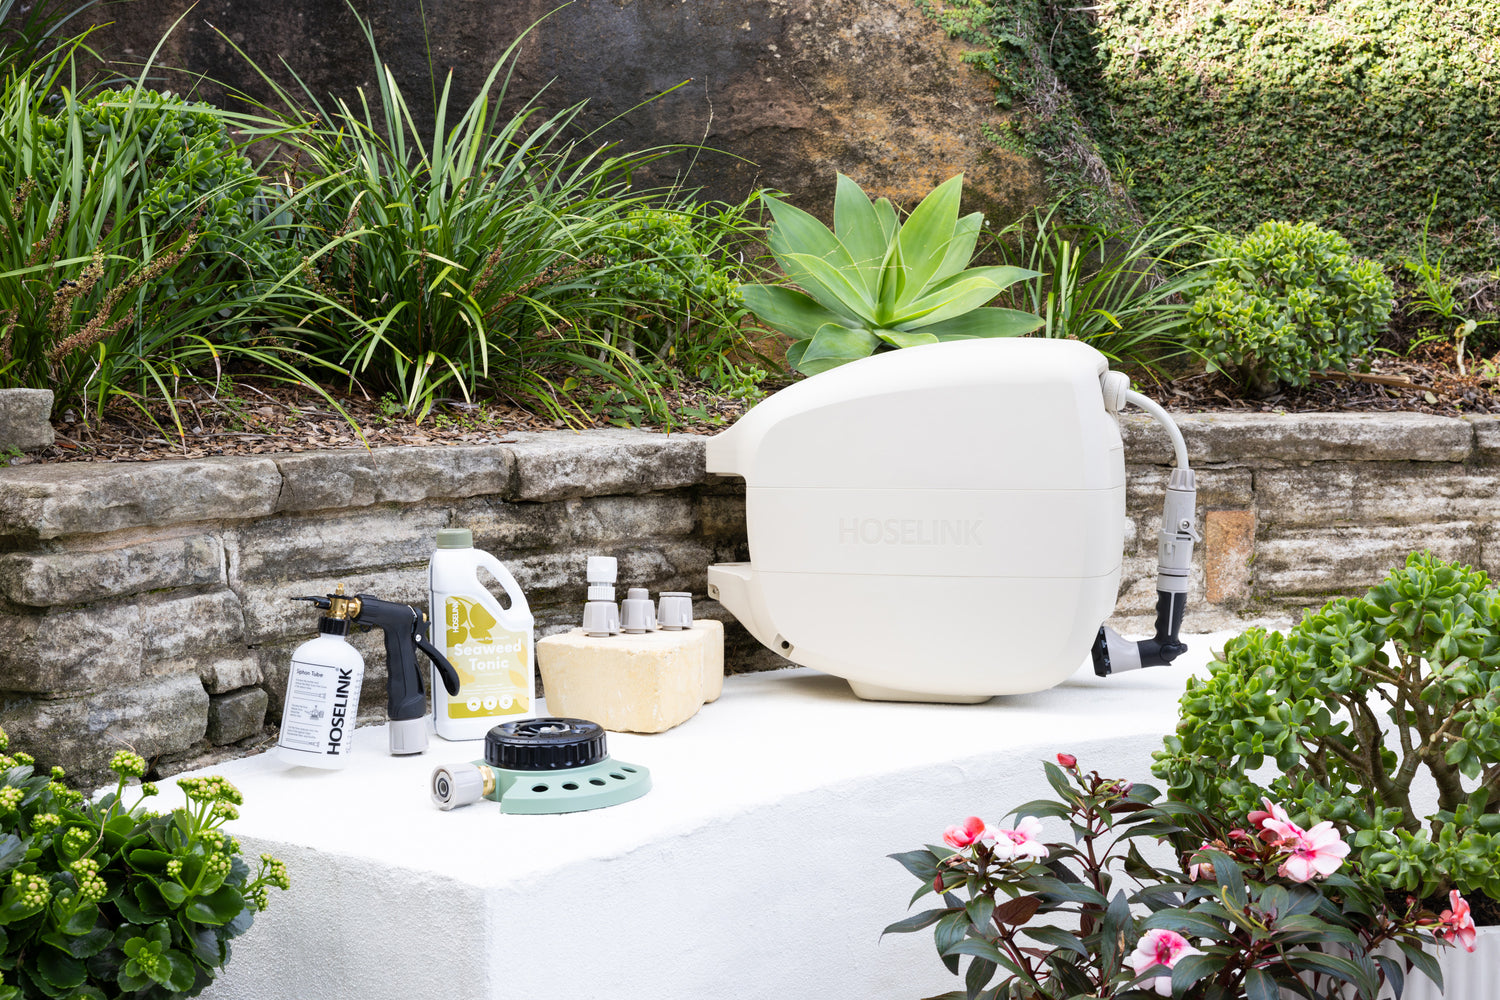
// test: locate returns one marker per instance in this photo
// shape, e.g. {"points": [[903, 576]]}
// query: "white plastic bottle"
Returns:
{"points": [[322, 699], [489, 646]]}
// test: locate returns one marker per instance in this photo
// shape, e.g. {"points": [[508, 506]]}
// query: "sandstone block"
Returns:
{"points": [[67, 575], [556, 465], [235, 716], [1145, 490], [1376, 492], [1486, 437], [26, 419], [94, 646], [324, 480], [1349, 560], [1228, 550], [221, 674], [502, 527], [163, 715], [45, 501], [360, 540], [1302, 437]]}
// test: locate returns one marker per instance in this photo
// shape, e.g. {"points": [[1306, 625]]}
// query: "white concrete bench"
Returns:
{"points": [[755, 869]]}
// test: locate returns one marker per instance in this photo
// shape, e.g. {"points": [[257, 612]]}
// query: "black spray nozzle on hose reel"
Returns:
{"points": [[407, 630], [1112, 653]]}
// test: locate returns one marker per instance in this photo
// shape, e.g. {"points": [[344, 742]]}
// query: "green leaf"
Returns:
{"points": [[80, 921], [915, 922], [1423, 962], [923, 864], [950, 930], [977, 947], [794, 354], [147, 860], [834, 345], [180, 973], [59, 969], [1112, 933], [12, 852], [218, 908], [793, 312], [926, 234], [961, 297], [1260, 986], [857, 227], [795, 231], [839, 289], [898, 338], [1057, 938], [961, 247], [1186, 922], [172, 892], [1192, 968]]}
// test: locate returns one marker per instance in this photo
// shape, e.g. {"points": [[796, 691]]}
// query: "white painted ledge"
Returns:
{"points": [[755, 868]]}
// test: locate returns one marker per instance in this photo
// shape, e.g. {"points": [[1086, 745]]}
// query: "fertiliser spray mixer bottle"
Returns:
{"points": [[405, 629], [489, 646]]}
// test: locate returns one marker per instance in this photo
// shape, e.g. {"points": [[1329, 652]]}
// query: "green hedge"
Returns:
{"points": [[1347, 113]]}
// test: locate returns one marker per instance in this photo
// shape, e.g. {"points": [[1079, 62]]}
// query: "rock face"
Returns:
{"points": [[780, 93]]}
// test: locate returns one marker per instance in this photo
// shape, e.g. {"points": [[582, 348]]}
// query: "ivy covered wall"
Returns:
{"points": [[1349, 113]]}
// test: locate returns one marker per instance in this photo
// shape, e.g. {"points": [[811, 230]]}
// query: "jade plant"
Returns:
{"points": [[103, 899], [1357, 707], [1285, 302], [874, 284]]}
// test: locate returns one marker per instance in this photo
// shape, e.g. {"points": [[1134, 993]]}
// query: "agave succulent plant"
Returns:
{"points": [[874, 284]]}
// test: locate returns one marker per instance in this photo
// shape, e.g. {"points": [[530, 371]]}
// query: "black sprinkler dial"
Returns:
{"points": [[545, 744]]}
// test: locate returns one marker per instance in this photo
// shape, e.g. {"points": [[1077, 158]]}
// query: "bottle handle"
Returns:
{"points": [[497, 569]]}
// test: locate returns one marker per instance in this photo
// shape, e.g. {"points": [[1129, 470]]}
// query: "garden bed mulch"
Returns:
{"points": [[250, 416]]}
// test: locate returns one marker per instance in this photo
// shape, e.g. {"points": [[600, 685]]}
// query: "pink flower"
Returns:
{"points": [[965, 834], [1160, 948], [1022, 842], [1067, 760], [1457, 923], [1276, 821], [1203, 869], [1318, 851]]}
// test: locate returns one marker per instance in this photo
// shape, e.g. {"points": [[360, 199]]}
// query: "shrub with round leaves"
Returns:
{"points": [[1418, 656], [1287, 301], [100, 899]]}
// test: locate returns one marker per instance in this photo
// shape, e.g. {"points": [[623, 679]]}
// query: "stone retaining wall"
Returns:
{"points": [[149, 605]]}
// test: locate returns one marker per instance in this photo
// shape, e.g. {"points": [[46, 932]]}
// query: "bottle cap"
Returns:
{"points": [[637, 613], [333, 626], [455, 538], [603, 569], [675, 610], [601, 618], [601, 592]]}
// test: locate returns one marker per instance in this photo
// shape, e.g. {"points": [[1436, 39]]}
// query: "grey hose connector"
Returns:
{"points": [[1174, 560]]}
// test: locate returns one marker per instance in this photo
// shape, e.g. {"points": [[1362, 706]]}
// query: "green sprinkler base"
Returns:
{"points": [[573, 789]]}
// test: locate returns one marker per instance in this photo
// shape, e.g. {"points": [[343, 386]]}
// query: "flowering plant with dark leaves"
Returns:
{"points": [[103, 899], [1255, 911]]}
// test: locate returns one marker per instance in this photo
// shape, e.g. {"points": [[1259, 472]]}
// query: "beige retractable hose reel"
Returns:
{"points": [[946, 523]]}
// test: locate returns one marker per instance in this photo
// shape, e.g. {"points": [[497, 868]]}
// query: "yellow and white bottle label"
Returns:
{"points": [[492, 662]]}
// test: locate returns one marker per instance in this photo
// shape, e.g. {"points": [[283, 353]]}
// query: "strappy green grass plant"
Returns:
{"points": [[496, 251], [116, 283], [1124, 292]]}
